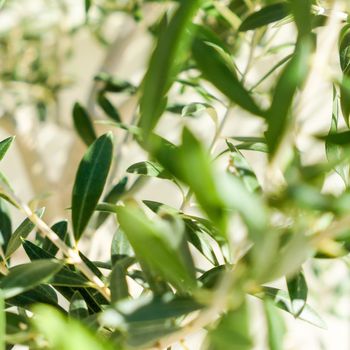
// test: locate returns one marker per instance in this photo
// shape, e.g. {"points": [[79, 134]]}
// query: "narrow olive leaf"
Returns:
{"points": [[345, 98], [27, 276], [5, 145], [164, 64], [87, 5], [89, 182], [341, 138], [148, 168], [83, 124], [281, 300], [149, 308], [41, 294], [157, 245], [65, 277], [66, 333], [112, 197], [2, 324], [61, 228], [5, 224], [108, 107], [118, 284], [191, 164], [78, 308], [240, 167], [113, 84], [301, 10], [298, 290], [275, 326], [217, 71], [291, 78], [268, 14], [120, 247], [233, 331], [21, 233]]}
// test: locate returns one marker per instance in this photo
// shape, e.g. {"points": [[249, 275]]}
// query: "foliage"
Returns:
{"points": [[250, 230]]}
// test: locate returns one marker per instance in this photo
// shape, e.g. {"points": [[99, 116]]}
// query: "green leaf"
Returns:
{"points": [[239, 166], [113, 84], [118, 284], [156, 244], [78, 308], [83, 124], [2, 324], [345, 98], [281, 300], [232, 332], [5, 145], [148, 168], [87, 5], [120, 247], [216, 70], [65, 277], [298, 290], [164, 65], [22, 232], [278, 115], [61, 229], [268, 14], [89, 182], [108, 107], [27, 276], [275, 326], [41, 294], [301, 10], [66, 333], [112, 197], [341, 138], [5, 224], [158, 308]]}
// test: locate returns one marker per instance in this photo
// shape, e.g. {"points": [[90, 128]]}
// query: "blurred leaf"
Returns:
{"points": [[27, 276], [220, 74], [5, 224], [21, 233], [112, 84], [281, 300], [118, 283], [298, 290], [148, 309], [341, 138], [108, 108], [291, 78], [83, 124], [164, 65], [275, 325], [345, 98], [5, 145], [301, 10], [149, 168], [77, 307], [240, 167], [89, 182], [2, 323], [232, 332], [159, 247], [268, 14], [66, 333]]}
